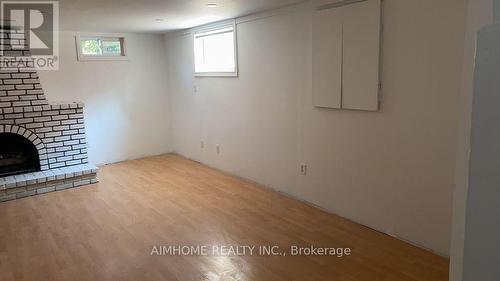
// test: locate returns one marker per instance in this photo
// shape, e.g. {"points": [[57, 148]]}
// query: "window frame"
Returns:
{"points": [[211, 28], [102, 36]]}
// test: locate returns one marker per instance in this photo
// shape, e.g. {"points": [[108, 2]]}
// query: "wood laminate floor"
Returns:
{"points": [[107, 232]]}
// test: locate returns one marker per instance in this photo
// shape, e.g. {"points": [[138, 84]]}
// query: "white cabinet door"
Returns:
{"points": [[327, 59], [346, 54], [361, 45]]}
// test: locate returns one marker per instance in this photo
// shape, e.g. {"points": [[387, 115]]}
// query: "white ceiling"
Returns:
{"points": [[141, 15]]}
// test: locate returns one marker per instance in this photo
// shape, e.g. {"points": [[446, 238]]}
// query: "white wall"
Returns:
{"points": [[126, 111], [392, 170], [479, 14], [482, 231]]}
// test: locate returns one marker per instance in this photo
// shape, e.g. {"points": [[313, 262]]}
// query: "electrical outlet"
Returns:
{"points": [[202, 144], [195, 89], [303, 169], [217, 149]]}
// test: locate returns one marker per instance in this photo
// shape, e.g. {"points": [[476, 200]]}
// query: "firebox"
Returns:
{"points": [[17, 155]]}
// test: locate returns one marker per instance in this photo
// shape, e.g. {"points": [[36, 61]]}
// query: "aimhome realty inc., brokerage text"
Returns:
{"points": [[248, 250]]}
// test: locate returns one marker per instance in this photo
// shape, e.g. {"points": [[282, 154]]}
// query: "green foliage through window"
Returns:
{"points": [[100, 47], [91, 47], [111, 47]]}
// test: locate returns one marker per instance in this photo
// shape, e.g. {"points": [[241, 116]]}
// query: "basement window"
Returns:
{"points": [[100, 47], [215, 52]]}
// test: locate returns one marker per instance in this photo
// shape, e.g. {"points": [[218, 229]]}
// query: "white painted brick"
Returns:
{"points": [[21, 131], [54, 155], [14, 116], [64, 186], [74, 162], [30, 81], [53, 134], [77, 126], [12, 81], [50, 112], [72, 152], [38, 102], [52, 123], [43, 130], [68, 111], [21, 75], [16, 92], [54, 144], [34, 92], [25, 194], [21, 103], [24, 120], [78, 137], [32, 114], [10, 98], [43, 119], [80, 156], [63, 138], [64, 159], [63, 148], [60, 128], [7, 197], [25, 87], [32, 137], [69, 122], [60, 117], [70, 132], [71, 142], [56, 165], [7, 87], [34, 125], [76, 116], [46, 190]]}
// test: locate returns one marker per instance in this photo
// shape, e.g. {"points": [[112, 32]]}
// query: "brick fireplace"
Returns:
{"points": [[42, 146]]}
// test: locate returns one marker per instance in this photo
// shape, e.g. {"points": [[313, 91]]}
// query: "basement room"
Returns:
{"points": [[249, 140]]}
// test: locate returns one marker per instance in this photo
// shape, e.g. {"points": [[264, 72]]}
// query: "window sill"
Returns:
{"points": [[90, 58], [216, 74]]}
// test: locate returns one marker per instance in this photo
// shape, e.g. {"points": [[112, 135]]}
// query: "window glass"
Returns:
{"points": [[215, 51], [95, 47]]}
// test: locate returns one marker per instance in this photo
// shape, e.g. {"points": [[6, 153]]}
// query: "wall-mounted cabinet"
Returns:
{"points": [[346, 55]]}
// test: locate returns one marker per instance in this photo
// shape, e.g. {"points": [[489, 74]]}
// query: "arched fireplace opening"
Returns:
{"points": [[17, 155]]}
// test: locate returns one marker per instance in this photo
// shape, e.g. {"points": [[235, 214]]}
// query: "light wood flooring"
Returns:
{"points": [[107, 231]]}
